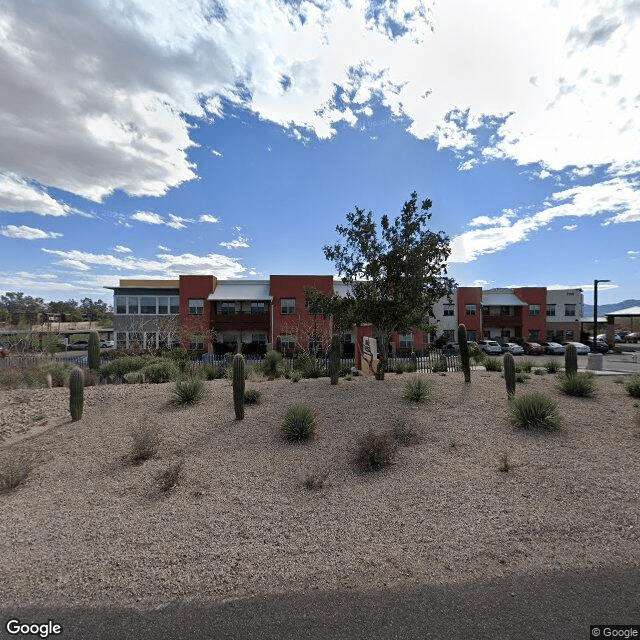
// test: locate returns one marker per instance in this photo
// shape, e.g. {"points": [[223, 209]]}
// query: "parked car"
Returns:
{"points": [[533, 349], [600, 346], [632, 337], [514, 349], [490, 346], [603, 336], [81, 345], [107, 344], [553, 348], [451, 348], [581, 349]]}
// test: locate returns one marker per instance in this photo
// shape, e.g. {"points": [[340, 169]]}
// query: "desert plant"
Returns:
{"points": [[272, 364], [552, 366], [145, 443], [251, 396], [295, 376], [476, 353], [308, 365], [334, 359], [633, 386], [313, 481], [570, 360], [13, 472], [464, 352], [521, 378], [539, 372], [299, 423], [493, 364], [163, 371], [418, 390], [374, 451], [134, 377], [211, 372], [524, 366], [580, 384], [76, 393], [404, 434], [509, 373], [169, 478], [504, 465], [93, 351], [188, 391], [238, 385], [440, 365], [534, 411]]}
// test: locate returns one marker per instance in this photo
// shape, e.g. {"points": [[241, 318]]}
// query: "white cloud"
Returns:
{"points": [[467, 165], [148, 217], [176, 222], [570, 227], [633, 253], [217, 154], [208, 218], [163, 248], [27, 233], [238, 243], [19, 196], [121, 249], [486, 221]]}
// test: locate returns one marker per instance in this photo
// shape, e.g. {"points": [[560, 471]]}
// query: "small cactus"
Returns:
{"points": [[570, 360], [238, 385], [93, 351], [334, 359], [509, 366], [76, 393], [464, 352]]}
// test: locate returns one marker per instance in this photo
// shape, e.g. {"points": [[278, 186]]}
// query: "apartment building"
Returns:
{"points": [[564, 311]]}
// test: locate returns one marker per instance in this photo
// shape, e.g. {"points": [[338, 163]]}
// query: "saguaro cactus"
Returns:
{"points": [[238, 385], [464, 352], [93, 351], [570, 360], [334, 360], [76, 393], [509, 366]]}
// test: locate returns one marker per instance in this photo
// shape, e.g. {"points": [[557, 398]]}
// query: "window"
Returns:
{"points": [[551, 309], [196, 343], [163, 305], [258, 308], [196, 306], [448, 310], [449, 334], [470, 309], [315, 343], [471, 336], [534, 335], [569, 334], [133, 302], [569, 309], [227, 308], [121, 340], [150, 341], [505, 333], [174, 304], [534, 309], [406, 342], [505, 311], [260, 338], [135, 340], [148, 305], [287, 343], [288, 306], [121, 304]]}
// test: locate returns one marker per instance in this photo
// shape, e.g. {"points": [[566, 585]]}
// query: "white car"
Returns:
{"points": [[581, 349], [514, 349], [490, 347], [107, 344]]}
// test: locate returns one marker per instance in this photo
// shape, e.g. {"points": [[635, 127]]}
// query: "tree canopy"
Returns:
{"points": [[394, 275]]}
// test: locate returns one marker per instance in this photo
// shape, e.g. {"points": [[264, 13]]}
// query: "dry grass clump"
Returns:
{"points": [[13, 472], [375, 451], [170, 477], [314, 481], [404, 434], [146, 440]]}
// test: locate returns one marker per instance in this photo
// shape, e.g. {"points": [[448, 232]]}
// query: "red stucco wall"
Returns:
{"points": [[195, 287]]}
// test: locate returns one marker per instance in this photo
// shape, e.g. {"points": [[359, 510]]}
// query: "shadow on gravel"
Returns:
{"points": [[555, 606]]}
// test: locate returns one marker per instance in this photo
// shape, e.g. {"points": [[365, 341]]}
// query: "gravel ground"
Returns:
{"points": [[87, 527]]}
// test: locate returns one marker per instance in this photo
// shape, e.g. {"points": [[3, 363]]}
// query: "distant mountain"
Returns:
{"points": [[603, 309]]}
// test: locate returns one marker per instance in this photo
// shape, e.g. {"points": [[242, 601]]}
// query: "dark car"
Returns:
{"points": [[533, 348], [600, 346], [553, 348], [81, 345]]}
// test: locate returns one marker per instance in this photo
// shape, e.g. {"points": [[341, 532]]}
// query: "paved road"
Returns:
{"points": [[556, 606]]}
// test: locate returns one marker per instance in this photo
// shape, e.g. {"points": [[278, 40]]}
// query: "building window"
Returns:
{"points": [[534, 335], [448, 310], [148, 305], [150, 341], [258, 308], [471, 336], [174, 305], [196, 306], [470, 309], [551, 309], [288, 306], [227, 308], [196, 343], [135, 340], [406, 342], [449, 334], [121, 340], [534, 309], [287, 343], [260, 338], [569, 309], [569, 334], [505, 311], [133, 302], [163, 305], [315, 343], [505, 333], [121, 304]]}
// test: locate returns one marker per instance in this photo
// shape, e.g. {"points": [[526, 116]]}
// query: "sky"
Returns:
{"points": [[145, 139]]}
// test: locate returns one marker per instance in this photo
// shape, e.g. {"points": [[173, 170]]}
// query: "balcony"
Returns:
{"points": [[240, 321]]}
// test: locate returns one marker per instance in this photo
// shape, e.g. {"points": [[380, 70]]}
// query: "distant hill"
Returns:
{"points": [[603, 309]]}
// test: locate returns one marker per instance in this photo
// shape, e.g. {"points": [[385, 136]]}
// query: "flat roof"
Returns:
{"points": [[500, 299], [631, 311], [147, 284], [241, 290]]}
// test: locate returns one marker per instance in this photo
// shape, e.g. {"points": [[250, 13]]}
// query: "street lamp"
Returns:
{"points": [[595, 309]]}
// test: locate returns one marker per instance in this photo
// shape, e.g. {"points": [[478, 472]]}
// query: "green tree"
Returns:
{"points": [[394, 275], [20, 306]]}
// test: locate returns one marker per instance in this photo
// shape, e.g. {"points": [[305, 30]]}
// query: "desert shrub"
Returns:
{"points": [[522, 377], [418, 390], [539, 372], [134, 377], [476, 353], [91, 377], [272, 366], [552, 366], [295, 376], [211, 372], [13, 472], [633, 386], [345, 370], [59, 372], [161, 371], [169, 478], [579, 384], [493, 364], [299, 423], [188, 391], [251, 396], [439, 367], [179, 356], [314, 481], [404, 434], [534, 411], [308, 365], [374, 451], [524, 366], [399, 368], [145, 443], [120, 367]]}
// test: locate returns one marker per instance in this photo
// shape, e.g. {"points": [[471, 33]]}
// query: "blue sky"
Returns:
{"points": [[230, 137]]}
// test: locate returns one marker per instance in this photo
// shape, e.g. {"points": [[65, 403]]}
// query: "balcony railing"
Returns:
{"points": [[240, 321]]}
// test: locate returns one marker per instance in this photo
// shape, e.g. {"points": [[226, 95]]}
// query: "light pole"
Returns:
{"points": [[595, 309]]}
